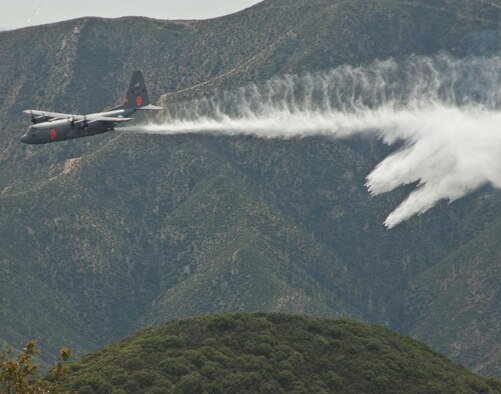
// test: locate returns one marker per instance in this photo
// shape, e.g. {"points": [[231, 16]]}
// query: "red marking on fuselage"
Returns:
{"points": [[53, 134], [139, 101]]}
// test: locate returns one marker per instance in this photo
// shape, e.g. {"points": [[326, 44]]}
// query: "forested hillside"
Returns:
{"points": [[270, 353], [102, 236]]}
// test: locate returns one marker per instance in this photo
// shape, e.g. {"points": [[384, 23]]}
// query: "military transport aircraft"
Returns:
{"points": [[52, 126]]}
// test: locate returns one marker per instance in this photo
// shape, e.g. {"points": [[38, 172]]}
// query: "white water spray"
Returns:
{"points": [[444, 110]]}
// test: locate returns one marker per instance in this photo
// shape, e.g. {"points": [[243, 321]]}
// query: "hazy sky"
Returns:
{"points": [[20, 13]]}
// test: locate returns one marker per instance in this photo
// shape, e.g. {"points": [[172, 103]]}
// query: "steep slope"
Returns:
{"points": [[454, 305], [100, 236], [192, 227], [261, 353]]}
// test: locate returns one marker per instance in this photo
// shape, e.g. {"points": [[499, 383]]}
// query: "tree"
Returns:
{"points": [[19, 375]]}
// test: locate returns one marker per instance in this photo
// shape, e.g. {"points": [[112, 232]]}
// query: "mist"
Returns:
{"points": [[441, 113]]}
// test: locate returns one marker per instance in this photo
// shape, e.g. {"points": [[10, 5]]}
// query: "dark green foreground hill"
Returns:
{"points": [[271, 353]]}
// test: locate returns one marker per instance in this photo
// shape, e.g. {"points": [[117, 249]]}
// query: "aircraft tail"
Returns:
{"points": [[137, 95]]}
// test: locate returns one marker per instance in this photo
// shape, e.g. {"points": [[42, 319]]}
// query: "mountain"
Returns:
{"points": [[263, 353], [453, 306], [100, 237]]}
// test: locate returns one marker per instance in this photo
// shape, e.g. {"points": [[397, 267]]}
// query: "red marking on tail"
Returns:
{"points": [[139, 101]]}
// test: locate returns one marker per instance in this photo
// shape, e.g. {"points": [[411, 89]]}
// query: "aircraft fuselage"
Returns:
{"points": [[69, 128]]}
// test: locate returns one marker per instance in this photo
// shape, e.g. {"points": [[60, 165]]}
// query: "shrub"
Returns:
{"points": [[196, 358], [175, 366], [133, 363], [85, 390], [145, 378], [190, 384]]}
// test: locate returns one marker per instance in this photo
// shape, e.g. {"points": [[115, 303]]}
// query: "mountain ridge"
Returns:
{"points": [[101, 236]]}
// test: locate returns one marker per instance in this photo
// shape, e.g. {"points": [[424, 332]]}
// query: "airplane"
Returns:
{"points": [[53, 126]]}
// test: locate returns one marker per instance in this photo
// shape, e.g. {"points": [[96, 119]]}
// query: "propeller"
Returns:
{"points": [[71, 119], [82, 123]]}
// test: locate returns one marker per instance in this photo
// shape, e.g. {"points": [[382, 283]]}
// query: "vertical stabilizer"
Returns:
{"points": [[137, 96]]}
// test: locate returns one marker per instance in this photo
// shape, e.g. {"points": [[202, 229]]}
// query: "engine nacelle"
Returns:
{"points": [[39, 119]]}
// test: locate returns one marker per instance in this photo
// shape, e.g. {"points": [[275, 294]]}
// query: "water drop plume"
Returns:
{"points": [[443, 113]]}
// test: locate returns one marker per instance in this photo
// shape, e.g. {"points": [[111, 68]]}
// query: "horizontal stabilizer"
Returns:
{"points": [[110, 119], [152, 107]]}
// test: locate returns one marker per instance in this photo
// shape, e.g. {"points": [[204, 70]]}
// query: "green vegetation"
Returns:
{"points": [[19, 375], [121, 231], [447, 305], [270, 353]]}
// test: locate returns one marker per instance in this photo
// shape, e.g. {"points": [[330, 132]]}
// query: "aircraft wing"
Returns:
{"points": [[76, 118], [50, 115], [58, 115]]}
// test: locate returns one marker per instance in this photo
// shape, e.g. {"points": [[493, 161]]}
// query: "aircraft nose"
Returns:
{"points": [[25, 138]]}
